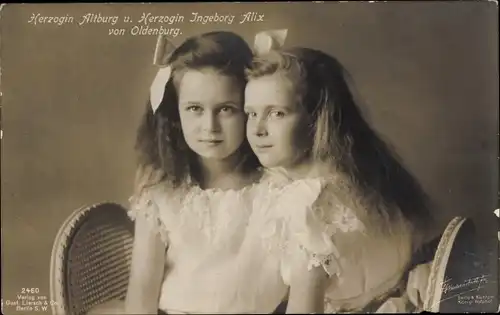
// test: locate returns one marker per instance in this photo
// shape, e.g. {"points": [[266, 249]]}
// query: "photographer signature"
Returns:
{"points": [[475, 282]]}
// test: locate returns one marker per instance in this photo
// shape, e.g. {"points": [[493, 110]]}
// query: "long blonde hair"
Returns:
{"points": [[367, 174]]}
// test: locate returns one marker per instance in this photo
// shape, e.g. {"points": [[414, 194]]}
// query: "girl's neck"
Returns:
{"points": [[222, 173], [300, 170]]}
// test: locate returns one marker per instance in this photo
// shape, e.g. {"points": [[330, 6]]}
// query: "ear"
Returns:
{"points": [[267, 40]]}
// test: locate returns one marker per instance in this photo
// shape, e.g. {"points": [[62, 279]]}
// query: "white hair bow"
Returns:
{"points": [[265, 41], [164, 48]]}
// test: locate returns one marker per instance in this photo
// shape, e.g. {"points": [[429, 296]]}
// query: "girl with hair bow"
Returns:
{"points": [[195, 248]]}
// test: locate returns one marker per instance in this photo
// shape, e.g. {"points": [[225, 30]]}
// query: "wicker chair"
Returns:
{"points": [[90, 260], [461, 278], [91, 257]]}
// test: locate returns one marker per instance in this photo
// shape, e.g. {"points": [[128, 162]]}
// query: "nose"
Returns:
{"points": [[260, 128], [210, 122]]}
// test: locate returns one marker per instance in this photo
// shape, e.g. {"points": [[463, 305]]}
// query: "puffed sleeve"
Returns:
{"points": [[318, 222], [145, 204]]}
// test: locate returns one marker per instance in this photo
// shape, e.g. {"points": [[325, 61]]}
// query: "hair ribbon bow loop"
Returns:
{"points": [[164, 48], [266, 41]]}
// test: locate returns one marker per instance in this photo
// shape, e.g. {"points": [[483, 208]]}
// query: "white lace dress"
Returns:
{"points": [[304, 219], [232, 251], [216, 261]]}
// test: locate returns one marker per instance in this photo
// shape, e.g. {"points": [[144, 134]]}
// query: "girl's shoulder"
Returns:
{"points": [[144, 204], [279, 182], [276, 192], [308, 203], [309, 217], [302, 194]]}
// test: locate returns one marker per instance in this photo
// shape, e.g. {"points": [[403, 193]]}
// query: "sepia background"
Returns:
{"points": [[72, 97]]}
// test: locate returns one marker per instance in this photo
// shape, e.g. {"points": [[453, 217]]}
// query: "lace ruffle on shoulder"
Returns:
{"points": [[310, 217], [145, 205]]}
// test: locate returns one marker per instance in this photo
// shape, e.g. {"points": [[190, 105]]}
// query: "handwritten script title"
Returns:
{"points": [[147, 23]]}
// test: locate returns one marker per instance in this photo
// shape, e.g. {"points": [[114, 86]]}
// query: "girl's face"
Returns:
{"points": [[277, 127], [211, 113]]}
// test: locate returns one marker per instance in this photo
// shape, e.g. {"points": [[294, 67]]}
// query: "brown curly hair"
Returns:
{"points": [[160, 143]]}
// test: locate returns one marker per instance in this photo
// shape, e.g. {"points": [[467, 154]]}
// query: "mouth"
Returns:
{"points": [[261, 148], [210, 141]]}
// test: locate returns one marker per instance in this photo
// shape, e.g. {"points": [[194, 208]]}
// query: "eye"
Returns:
{"points": [[277, 114], [251, 114], [227, 109], [194, 109]]}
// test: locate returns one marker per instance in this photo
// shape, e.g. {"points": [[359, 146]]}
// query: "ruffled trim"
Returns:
{"points": [[190, 215], [144, 205], [324, 219], [306, 217], [219, 214], [329, 263]]}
